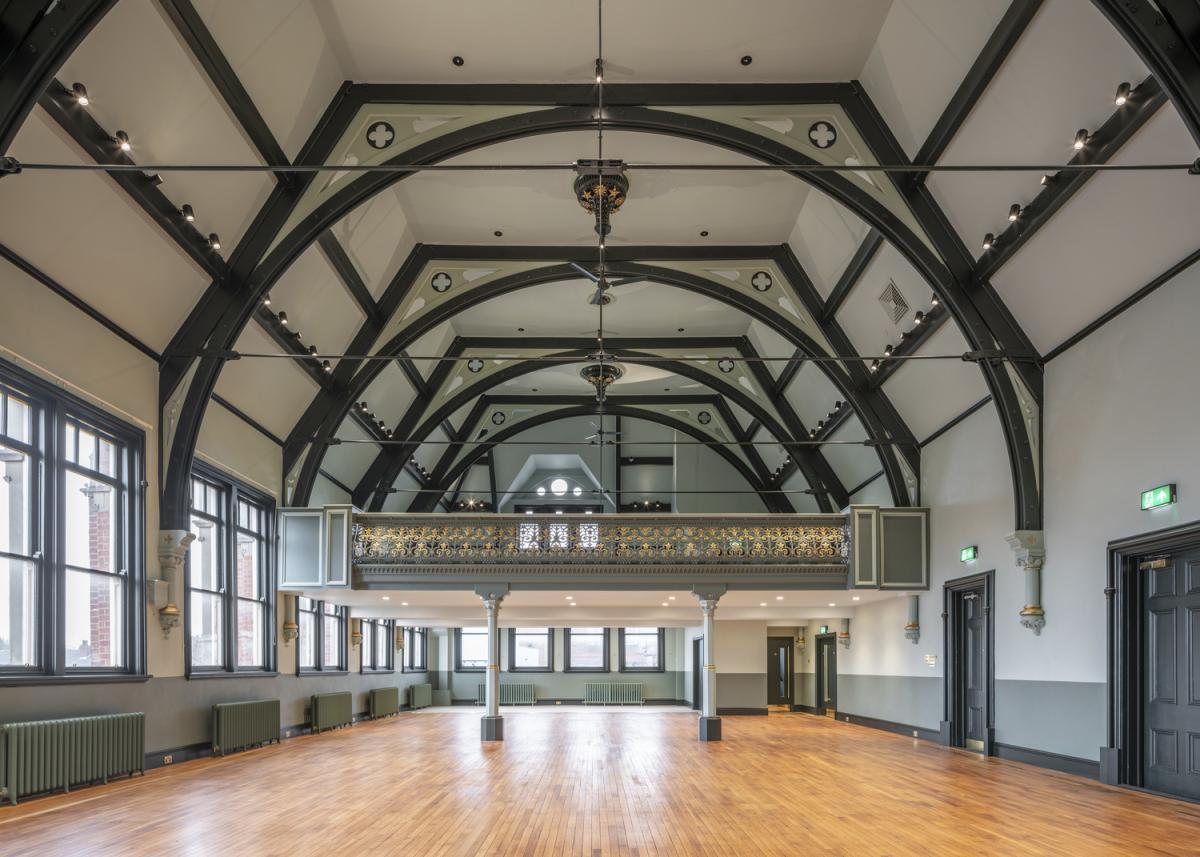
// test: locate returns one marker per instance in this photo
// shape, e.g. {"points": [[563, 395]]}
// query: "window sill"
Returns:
{"points": [[311, 673], [587, 670], [377, 672], [96, 678], [642, 670], [519, 670], [469, 670], [228, 674]]}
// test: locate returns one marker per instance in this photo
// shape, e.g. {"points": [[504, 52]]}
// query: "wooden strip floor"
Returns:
{"points": [[591, 782]]}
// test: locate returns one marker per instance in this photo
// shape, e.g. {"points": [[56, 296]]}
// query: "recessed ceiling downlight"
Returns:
{"points": [[558, 487], [577, 491]]}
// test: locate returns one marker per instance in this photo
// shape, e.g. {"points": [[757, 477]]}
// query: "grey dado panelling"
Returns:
{"points": [[742, 690], [1065, 717], [910, 700], [562, 685], [805, 688], [179, 711]]}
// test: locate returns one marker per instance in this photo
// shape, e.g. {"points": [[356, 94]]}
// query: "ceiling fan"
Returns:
{"points": [[603, 284]]}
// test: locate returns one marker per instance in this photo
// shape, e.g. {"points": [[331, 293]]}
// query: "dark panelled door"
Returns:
{"points": [[1172, 676], [779, 691], [973, 663], [827, 675]]}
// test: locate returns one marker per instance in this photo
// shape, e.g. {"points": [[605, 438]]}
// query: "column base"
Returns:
{"points": [[710, 728], [491, 728]]}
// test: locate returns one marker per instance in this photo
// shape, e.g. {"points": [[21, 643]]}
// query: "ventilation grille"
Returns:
{"points": [[893, 302]]}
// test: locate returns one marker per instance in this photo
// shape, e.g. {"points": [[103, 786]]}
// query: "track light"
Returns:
{"points": [[312, 351], [599, 71], [813, 432], [213, 241], [1046, 180], [123, 141], [919, 317], [327, 366], [988, 241], [874, 365], [837, 406], [81, 96], [154, 179], [362, 406], [1014, 211], [267, 299], [887, 350], [1122, 96], [188, 214], [934, 301], [1081, 138], [283, 318]]}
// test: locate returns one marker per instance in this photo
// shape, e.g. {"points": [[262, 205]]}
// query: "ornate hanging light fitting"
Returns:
{"points": [[601, 188], [601, 376]]}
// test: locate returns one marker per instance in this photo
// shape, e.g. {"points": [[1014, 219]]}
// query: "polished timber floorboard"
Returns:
{"points": [[594, 782]]}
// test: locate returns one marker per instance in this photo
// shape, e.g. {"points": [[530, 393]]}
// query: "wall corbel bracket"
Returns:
{"points": [[1030, 549]]}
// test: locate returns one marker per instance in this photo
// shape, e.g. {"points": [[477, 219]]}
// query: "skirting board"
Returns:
{"points": [[565, 701], [723, 712], [1039, 758]]}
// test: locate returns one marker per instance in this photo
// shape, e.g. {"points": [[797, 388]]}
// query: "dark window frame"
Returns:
{"points": [[458, 664], [411, 636], [641, 632], [53, 410], [319, 617], [606, 668], [232, 491], [371, 629], [512, 652]]}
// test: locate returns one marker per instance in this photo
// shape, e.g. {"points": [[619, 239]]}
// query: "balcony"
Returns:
{"points": [[866, 547]]}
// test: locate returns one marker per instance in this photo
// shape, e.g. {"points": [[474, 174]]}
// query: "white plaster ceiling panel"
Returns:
{"points": [[430, 452], [924, 50], [349, 461], [143, 80], [762, 282], [811, 394], [825, 239], [83, 231], [853, 463], [377, 238], [478, 484], [865, 320], [390, 394], [772, 454], [644, 438], [1117, 234], [796, 485], [1061, 77], [930, 393], [875, 493], [280, 52], [317, 303], [641, 309], [432, 344], [272, 390], [742, 416], [550, 41], [769, 344], [324, 492]]}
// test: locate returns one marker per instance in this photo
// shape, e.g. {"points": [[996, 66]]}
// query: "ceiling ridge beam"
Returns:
{"points": [[191, 28], [1000, 43]]}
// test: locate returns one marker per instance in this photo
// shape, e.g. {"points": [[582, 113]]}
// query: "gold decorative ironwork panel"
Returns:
{"points": [[578, 540]]}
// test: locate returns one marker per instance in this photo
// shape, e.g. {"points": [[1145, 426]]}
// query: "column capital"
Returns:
{"points": [[172, 551], [708, 596], [1029, 547], [492, 594]]}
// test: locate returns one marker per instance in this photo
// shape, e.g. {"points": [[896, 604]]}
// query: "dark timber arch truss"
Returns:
{"points": [[35, 39], [419, 422]]}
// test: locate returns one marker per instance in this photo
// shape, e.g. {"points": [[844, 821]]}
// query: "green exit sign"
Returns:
{"points": [[968, 554], [1163, 495], [824, 629]]}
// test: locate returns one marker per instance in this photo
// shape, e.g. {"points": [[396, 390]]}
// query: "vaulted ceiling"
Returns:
{"points": [[357, 261]]}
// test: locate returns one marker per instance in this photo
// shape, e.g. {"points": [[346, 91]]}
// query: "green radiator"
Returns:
{"points": [[420, 696], [56, 754], [237, 725], [510, 694], [610, 693], [382, 701], [330, 710]]}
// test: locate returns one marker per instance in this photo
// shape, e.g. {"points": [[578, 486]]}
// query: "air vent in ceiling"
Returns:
{"points": [[893, 302]]}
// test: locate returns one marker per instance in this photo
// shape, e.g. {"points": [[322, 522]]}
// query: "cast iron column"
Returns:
{"points": [[710, 723], [492, 728]]}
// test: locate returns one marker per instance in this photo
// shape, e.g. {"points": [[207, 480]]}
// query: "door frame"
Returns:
{"points": [[819, 670], [697, 673], [951, 729], [788, 643], [1122, 762]]}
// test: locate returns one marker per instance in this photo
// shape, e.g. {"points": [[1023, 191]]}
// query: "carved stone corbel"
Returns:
{"points": [[172, 551], [912, 628], [1030, 549], [843, 636], [290, 630]]}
